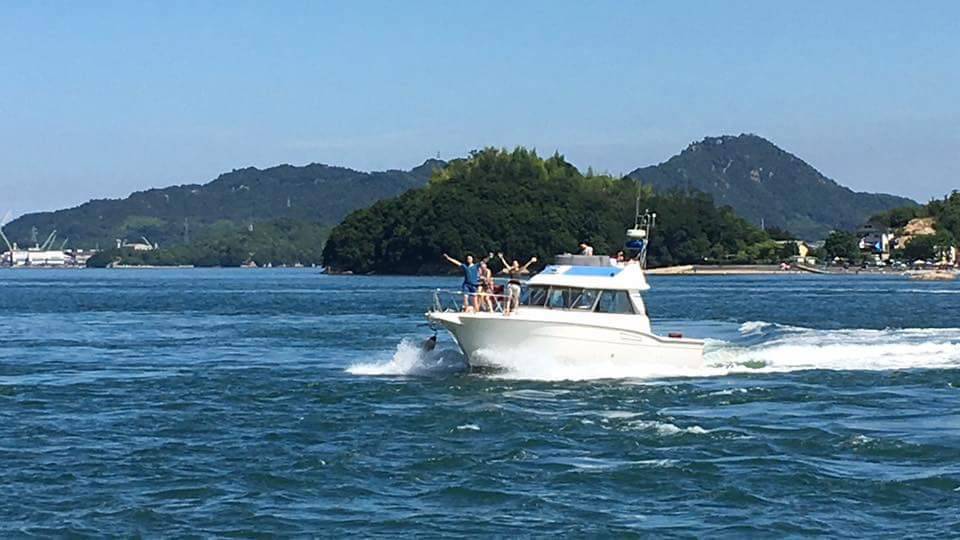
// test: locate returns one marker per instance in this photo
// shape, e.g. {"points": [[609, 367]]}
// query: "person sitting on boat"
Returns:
{"points": [[586, 249], [515, 272], [471, 280]]}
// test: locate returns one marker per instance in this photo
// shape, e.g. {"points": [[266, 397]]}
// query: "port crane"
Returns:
{"points": [[9, 245], [6, 218]]}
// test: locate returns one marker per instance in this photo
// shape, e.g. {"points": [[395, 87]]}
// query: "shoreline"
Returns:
{"points": [[766, 270], [669, 271]]}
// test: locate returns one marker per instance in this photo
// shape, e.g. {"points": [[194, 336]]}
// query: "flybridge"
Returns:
{"points": [[603, 272], [584, 271], [614, 276]]}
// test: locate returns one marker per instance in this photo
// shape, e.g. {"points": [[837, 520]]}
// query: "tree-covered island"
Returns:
{"points": [[520, 204]]}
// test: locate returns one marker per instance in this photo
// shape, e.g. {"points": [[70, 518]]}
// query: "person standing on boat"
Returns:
{"points": [[515, 272], [487, 288], [471, 280], [586, 249]]}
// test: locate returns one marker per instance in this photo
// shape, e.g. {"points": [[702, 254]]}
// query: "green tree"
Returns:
{"points": [[842, 244], [777, 233], [929, 247], [523, 205], [788, 250]]}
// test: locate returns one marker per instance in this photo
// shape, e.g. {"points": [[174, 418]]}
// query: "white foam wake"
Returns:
{"points": [[792, 348], [410, 359]]}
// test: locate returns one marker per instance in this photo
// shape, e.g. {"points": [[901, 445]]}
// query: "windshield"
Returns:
{"points": [[585, 300], [578, 299], [534, 296], [614, 302]]}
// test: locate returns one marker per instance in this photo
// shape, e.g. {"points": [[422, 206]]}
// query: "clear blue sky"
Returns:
{"points": [[99, 99]]}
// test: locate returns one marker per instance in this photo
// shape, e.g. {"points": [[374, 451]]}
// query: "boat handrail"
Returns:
{"points": [[451, 300]]}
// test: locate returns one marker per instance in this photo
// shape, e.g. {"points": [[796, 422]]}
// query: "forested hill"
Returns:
{"points": [[522, 205], [318, 194], [762, 182]]}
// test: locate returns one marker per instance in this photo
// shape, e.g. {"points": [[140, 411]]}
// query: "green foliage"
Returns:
{"points": [[523, 205], [929, 247], [763, 182], [842, 244], [947, 214], [788, 250], [776, 233], [898, 217], [279, 242]]}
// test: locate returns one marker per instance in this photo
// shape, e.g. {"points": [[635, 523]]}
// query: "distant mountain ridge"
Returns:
{"points": [[766, 184], [763, 184], [316, 193]]}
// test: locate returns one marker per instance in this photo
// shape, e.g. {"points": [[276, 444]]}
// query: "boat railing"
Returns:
{"points": [[452, 301]]}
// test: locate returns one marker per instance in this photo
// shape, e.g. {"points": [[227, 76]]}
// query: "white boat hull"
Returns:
{"points": [[483, 337]]}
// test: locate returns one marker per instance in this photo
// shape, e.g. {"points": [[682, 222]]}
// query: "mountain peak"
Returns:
{"points": [[727, 143], [425, 170], [766, 184]]}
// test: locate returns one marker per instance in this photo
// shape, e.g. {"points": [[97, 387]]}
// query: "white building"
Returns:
{"points": [[35, 257]]}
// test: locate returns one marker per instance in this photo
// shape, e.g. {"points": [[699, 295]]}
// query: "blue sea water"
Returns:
{"points": [[285, 402]]}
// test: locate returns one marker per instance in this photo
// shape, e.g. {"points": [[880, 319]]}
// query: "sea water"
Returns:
{"points": [[286, 402]]}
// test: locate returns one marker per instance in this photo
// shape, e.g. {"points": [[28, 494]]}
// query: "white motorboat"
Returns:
{"points": [[580, 309]]}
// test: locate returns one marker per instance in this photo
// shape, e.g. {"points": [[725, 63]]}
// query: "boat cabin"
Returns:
{"points": [[588, 284]]}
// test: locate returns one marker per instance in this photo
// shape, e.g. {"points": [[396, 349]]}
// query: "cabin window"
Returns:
{"points": [[586, 300], [563, 297], [571, 298], [534, 296], [614, 302], [555, 298]]}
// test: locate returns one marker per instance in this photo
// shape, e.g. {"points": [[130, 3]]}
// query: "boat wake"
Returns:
{"points": [[753, 347], [410, 358], [763, 346]]}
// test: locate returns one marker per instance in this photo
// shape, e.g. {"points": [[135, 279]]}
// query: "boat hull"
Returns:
{"points": [[484, 339]]}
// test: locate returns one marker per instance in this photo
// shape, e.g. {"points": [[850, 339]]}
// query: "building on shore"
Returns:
{"points": [[876, 242], [146, 245]]}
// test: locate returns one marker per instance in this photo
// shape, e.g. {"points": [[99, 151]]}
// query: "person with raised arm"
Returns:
{"points": [[471, 279], [515, 272]]}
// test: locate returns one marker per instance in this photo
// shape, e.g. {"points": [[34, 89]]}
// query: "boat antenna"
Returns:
{"points": [[636, 210], [638, 238], [646, 224]]}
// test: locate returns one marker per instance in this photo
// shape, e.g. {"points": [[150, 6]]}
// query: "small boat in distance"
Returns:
{"points": [[579, 309]]}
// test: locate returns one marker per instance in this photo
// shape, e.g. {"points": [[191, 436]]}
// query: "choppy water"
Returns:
{"points": [[219, 402]]}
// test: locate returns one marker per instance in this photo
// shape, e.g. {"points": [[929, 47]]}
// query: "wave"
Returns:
{"points": [[756, 347], [411, 359], [772, 348]]}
